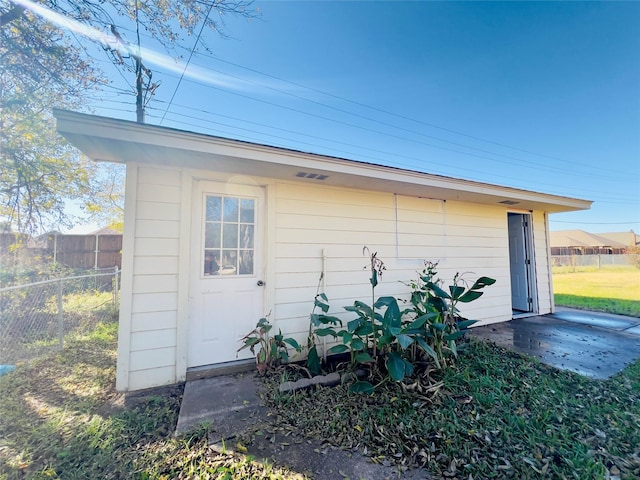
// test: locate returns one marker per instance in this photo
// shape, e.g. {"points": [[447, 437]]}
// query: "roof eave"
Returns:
{"points": [[113, 140]]}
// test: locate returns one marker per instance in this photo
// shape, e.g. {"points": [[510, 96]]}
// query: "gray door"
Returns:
{"points": [[520, 261]]}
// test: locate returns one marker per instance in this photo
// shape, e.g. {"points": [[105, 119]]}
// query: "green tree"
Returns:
{"points": [[634, 255], [39, 69], [44, 67], [105, 205]]}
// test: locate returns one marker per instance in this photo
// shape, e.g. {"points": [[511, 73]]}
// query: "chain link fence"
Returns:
{"points": [[38, 317], [577, 263]]}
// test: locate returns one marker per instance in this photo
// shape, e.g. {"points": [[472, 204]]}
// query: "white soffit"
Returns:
{"points": [[120, 141]]}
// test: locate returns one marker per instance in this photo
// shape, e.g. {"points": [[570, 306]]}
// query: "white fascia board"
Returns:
{"points": [[115, 140]]}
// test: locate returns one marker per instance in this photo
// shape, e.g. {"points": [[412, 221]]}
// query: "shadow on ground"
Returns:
{"points": [[231, 408], [595, 345]]}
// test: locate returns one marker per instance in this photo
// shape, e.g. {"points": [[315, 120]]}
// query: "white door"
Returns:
{"points": [[226, 293], [519, 262]]}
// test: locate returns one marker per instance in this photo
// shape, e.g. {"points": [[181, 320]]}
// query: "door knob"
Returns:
{"points": [[260, 283]]}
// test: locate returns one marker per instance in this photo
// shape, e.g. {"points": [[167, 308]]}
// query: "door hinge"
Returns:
{"points": [[530, 300]]}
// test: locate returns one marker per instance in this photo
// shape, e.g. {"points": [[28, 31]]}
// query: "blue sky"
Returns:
{"points": [[543, 96]]}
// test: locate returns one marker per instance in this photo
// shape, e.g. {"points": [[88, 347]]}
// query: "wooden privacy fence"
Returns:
{"points": [[86, 251]]}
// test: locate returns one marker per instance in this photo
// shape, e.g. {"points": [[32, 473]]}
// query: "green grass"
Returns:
{"points": [[617, 306], [60, 417], [495, 415], [613, 290]]}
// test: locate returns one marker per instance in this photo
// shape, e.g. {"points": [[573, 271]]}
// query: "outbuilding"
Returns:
{"points": [[221, 232]]}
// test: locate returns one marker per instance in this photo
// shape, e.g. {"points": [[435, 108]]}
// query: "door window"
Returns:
{"points": [[229, 235]]}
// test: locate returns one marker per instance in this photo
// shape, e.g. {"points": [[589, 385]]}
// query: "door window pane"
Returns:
{"points": [[229, 264], [246, 236], [214, 209], [230, 209], [212, 233], [229, 235], [211, 262], [246, 262], [246, 210]]}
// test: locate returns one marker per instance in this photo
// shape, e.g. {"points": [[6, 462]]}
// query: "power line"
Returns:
{"points": [[386, 112], [342, 152], [378, 132], [387, 124], [187, 64], [538, 167], [526, 164], [360, 147]]}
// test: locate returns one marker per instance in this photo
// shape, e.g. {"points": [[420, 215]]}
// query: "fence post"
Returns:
{"points": [[60, 317], [116, 288], [97, 252], [55, 248]]}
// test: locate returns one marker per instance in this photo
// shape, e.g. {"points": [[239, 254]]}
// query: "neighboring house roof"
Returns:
{"points": [[580, 238], [627, 238], [105, 231], [120, 141]]}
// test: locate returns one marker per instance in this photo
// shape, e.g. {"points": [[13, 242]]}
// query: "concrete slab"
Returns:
{"points": [[603, 320], [229, 405], [576, 345], [633, 330]]}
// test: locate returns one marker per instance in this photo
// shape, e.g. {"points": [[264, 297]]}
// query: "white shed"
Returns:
{"points": [[220, 232]]}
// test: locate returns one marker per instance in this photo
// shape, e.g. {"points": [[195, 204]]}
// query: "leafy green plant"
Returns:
{"points": [[388, 339], [364, 331], [382, 336], [271, 350], [320, 325], [393, 339], [376, 267], [494, 414], [443, 323]]}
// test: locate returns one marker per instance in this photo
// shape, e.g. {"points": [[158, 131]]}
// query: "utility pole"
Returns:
{"points": [[139, 67], [123, 50], [139, 93]]}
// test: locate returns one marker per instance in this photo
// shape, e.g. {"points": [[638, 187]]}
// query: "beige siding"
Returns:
{"points": [[158, 283], [148, 321], [315, 228], [154, 301], [151, 377], [315, 220], [153, 339], [154, 265], [152, 359]]}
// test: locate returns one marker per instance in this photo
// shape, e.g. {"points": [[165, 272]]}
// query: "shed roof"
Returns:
{"points": [[121, 141]]}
